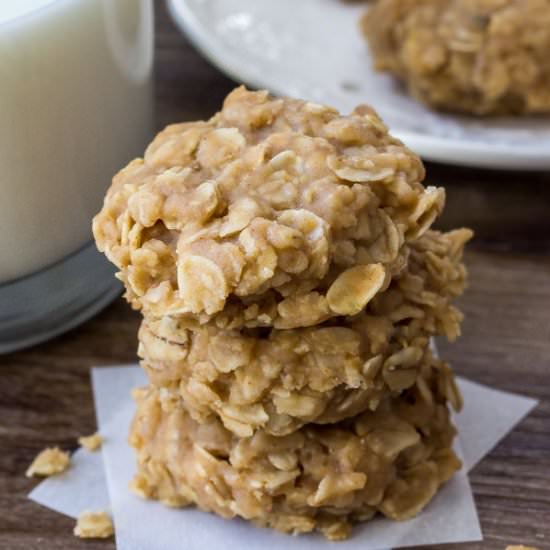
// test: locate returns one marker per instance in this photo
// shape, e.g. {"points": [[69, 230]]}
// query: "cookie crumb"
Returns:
{"points": [[48, 462], [91, 442], [94, 525]]}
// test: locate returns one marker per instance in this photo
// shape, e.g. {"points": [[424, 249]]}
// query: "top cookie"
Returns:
{"points": [[475, 56], [272, 201]]}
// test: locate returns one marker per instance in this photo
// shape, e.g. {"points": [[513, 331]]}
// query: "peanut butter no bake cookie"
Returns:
{"points": [[475, 56], [270, 202], [390, 461]]}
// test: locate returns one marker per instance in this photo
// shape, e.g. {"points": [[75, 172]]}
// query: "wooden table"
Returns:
{"points": [[45, 396]]}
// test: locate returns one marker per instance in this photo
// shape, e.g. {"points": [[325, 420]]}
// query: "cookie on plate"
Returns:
{"points": [[484, 57]]}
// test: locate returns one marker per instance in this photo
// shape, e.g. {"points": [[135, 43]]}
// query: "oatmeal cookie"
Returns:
{"points": [[271, 203], [390, 461], [281, 382], [475, 56], [278, 380]]}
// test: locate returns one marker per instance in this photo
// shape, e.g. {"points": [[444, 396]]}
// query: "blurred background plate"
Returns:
{"points": [[313, 49]]}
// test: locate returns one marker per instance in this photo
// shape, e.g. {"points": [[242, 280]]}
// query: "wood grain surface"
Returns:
{"points": [[45, 394]]}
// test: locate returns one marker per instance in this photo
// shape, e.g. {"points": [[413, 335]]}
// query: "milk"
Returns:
{"points": [[75, 106]]}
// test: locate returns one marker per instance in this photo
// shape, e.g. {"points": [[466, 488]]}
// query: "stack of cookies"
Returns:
{"points": [[282, 258]]}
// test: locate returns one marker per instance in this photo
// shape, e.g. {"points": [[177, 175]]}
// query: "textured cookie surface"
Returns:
{"points": [[320, 477], [274, 205], [278, 380], [474, 56]]}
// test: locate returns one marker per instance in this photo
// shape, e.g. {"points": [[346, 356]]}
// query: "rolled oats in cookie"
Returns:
{"points": [[279, 380], [475, 56], [391, 461], [270, 207]]}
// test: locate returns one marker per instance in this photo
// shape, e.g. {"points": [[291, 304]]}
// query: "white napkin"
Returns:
{"points": [[450, 517]]}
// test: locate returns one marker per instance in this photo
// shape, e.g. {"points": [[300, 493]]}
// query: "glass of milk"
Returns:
{"points": [[75, 106]]}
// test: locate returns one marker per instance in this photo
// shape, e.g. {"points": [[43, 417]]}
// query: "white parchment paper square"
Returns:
{"points": [[489, 414]]}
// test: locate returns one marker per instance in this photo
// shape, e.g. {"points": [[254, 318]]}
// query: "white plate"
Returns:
{"points": [[313, 49]]}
